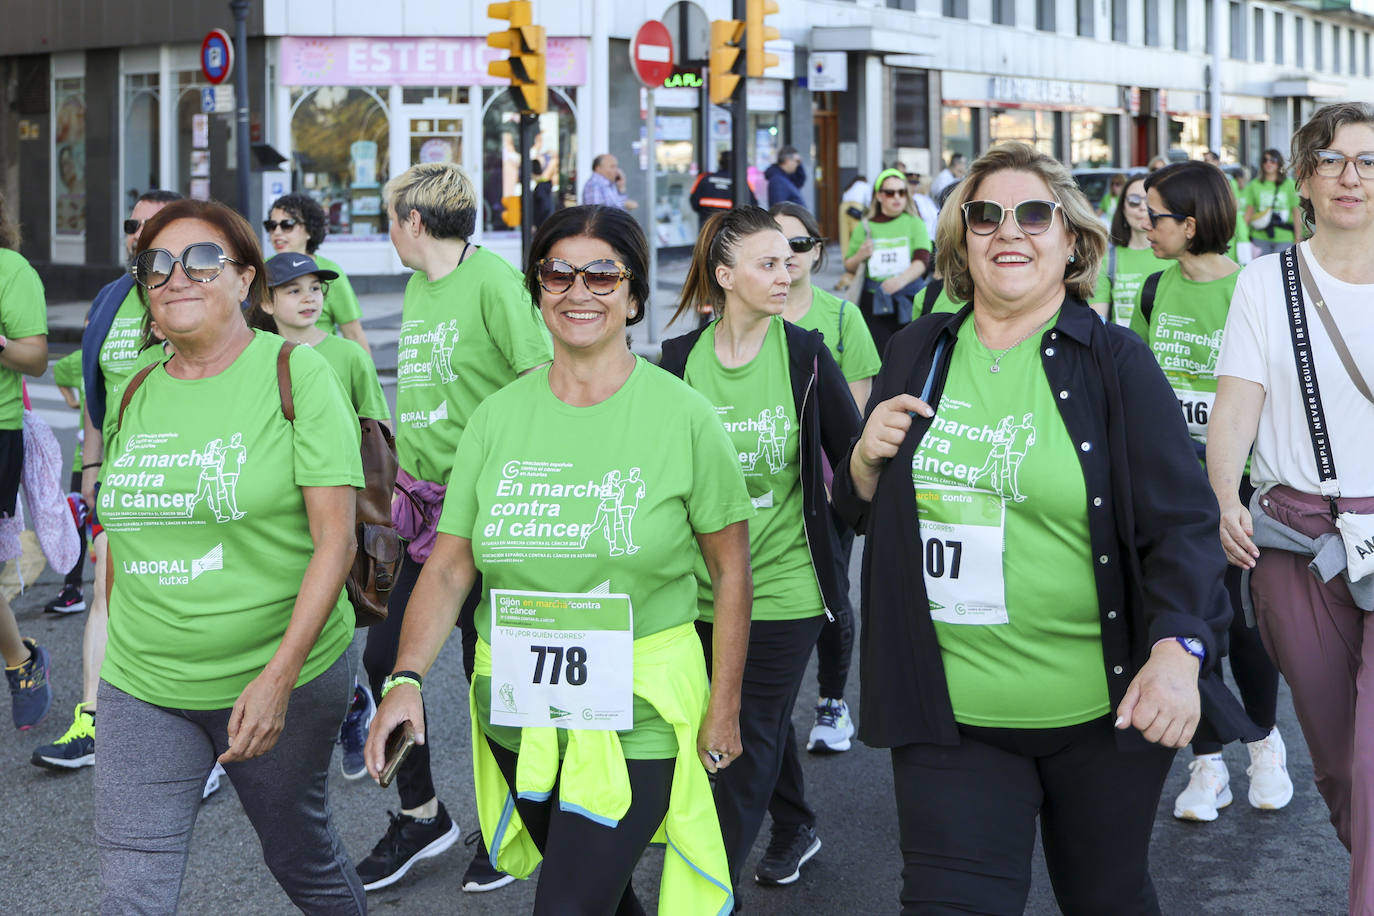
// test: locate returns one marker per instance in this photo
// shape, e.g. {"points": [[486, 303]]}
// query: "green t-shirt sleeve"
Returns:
{"points": [[326, 436], [1102, 292], [860, 358], [67, 370], [719, 496], [920, 235], [460, 501], [342, 304], [516, 327], [23, 308], [367, 388], [1138, 323], [856, 240]]}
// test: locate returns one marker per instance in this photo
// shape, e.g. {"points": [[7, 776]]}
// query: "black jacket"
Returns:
{"points": [[1152, 524], [828, 424]]}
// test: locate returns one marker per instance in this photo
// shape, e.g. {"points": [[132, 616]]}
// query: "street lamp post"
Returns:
{"points": [[240, 10]]}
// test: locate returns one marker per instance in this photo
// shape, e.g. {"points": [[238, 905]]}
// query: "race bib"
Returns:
{"points": [[563, 660], [963, 533], [1197, 409], [889, 261]]}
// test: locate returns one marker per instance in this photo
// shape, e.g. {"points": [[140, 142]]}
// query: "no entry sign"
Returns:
{"points": [[651, 53], [216, 56]]}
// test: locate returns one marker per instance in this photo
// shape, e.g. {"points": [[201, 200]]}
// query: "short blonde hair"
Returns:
{"points": [[951, 244], [441, 193]]}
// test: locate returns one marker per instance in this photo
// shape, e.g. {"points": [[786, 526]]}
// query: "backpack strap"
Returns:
{"points": [[839, 328], [1147, 294], [129, 390], [288, 404], [933, 289]]}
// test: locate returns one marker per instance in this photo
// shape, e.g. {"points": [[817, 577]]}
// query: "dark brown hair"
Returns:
{"points": [[716, 244], [305, 208], [611, 225], [1200, 190], [1121, 230], [1318, 133]]}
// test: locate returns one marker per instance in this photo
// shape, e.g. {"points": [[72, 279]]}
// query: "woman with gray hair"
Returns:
{"points": [[1022, 440]]}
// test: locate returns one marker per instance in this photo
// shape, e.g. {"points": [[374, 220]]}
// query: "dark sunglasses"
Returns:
{"points": [[1156, 217], [1034, 217], [202, 262], [801, 244], [601, 277], [286, 225], [893, 192], [133, 225], [1135, 200]]}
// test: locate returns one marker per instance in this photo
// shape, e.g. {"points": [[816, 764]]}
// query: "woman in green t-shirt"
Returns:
{"points": [[1184, 332], [583, 493], [1129, 258], [892, 244], [230, 534], [790, 415], [1042, 586], [297, 223], [1272, 206]]}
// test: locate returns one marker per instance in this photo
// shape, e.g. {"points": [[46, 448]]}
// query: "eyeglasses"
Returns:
{"points": [[1135, 200], [133, 225], [801, 244], [601, 277], [1331, 164], [286, 224], [1033, 217], [1156, 217], [892, 192], [202, 262]]}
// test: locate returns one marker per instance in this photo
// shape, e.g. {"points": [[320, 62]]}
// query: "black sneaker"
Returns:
{"points": [[407, 841], [68, 601], [788, 850], [480, 876]]}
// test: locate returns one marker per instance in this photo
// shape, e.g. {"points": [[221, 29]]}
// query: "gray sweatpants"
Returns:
{"points": [[151, 768]]}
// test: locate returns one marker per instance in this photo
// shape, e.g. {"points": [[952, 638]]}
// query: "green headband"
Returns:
{"points": [[884, 175]]}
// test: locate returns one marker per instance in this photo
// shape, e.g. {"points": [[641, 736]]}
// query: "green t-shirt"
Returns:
{"points": [[23, 313], [66, 373], [894, 243], [945, 303], [122, 355], [1001, 499], [462, 337], [1184, 334], [1281, 199], [358, 374], [842, 326], [341, 303], [754, 402], [208, 531], [1133, 265], [565, 499]]}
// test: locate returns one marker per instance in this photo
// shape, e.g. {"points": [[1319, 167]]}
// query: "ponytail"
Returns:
{"points": [[716, 245]]}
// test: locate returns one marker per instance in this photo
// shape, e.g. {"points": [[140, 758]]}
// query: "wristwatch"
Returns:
{"points": [[401, 677], [1194, 647]]}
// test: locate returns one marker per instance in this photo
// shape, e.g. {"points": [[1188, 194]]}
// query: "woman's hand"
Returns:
{"points": [[719, 735], [892, 285], [1162, 702], [865, 250], [883, 435], [1237, 529], [258, 716], [401, 704]]}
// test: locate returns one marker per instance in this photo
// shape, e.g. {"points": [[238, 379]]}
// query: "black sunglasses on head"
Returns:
{"points": [[286, 225], [804, 243]]}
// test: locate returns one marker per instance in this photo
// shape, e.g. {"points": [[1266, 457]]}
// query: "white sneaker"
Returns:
{"points": [[1209, 788], [212, 783], [833, 728], [1270, 787]]}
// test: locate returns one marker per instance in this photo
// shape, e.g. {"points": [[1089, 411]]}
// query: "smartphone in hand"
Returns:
{"points": [[398, 745]]}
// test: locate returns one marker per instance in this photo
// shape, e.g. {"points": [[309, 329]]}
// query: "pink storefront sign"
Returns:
{"points": [[416, 62]]}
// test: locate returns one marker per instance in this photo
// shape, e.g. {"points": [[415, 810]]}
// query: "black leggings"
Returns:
{"points": [[587, 866], [835, 645], [414, 780]]}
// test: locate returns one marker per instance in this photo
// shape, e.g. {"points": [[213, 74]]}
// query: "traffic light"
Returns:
{"points": [[757, 34], [510, 211], [726, 35], [525, 65]]}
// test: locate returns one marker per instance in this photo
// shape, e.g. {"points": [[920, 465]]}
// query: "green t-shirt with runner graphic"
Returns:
{"points": [[1001, 501], [608, 497], [1281, 200], [341, 304], [208, 530], [23, 313], [1133, 265], [754, 402], [122, 354], [462, 337], [1184, 334], [66, 373], [846, 334], [358, 374], [894, 243]]}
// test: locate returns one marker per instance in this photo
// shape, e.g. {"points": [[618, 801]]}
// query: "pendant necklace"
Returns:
{"points": [[998, 354]]}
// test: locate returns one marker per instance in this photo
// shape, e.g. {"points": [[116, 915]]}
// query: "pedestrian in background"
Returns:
{"points": [[606, 186], [892, 246], [715, 191], [950, 174], [852, 204], [1129, 260], [298, 223], [1313, 611], [786, 177], [1021, 435], [1272, 207]]}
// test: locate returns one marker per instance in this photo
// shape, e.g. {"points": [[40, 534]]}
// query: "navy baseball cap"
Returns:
{"points": [[289, 265]]}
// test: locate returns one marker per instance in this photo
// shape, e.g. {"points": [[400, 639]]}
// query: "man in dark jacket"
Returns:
{"points": [[715, 191], [786, 177]]}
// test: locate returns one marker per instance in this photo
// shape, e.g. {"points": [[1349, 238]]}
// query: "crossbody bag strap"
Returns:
{"points": [[129, 390], [1307, 378], [1309, 285]]}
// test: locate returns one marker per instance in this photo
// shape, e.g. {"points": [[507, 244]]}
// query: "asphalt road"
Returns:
{"points": [[1247, 862]]}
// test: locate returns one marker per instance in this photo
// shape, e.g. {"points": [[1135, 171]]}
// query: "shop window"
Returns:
{"points": [[1230, 139], [1188, 133], [69, 148], [1044, 15], [1180, 25], [1237, 22], [553, 158], [1004, 12], [1121, 21], [1092, 139], [676, 138], [1034, 127], [434, 95], [1152, 23], [957, 135], [341, 144], [142, 137], [1278, 38], [911, 109], [192, 178], [1086, 14]]}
